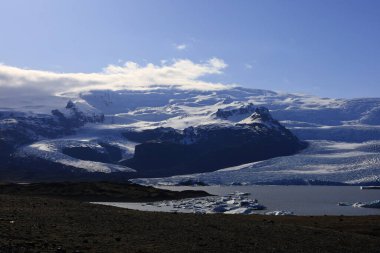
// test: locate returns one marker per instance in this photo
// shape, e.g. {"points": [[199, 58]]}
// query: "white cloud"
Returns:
{"points": [[248, 66], [181, 47], [181, 73]]}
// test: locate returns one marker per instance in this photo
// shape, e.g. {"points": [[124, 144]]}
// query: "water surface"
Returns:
{"points": [[302, 200]]}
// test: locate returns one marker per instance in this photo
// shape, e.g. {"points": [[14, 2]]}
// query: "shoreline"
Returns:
{"points": [[48, 224]]}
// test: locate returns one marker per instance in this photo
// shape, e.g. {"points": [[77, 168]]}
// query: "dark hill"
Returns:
{"points": [[167, 152], [97, 191]]}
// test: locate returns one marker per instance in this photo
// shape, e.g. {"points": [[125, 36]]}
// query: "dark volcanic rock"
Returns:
{"points": [[108, 153], [167, 152], [88, 154], [98, 191]]}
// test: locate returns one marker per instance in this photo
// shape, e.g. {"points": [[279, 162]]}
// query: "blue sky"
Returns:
{"points": [[323, 47]]}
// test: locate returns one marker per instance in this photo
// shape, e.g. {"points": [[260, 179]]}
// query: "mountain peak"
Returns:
{"points": [[70, 105], [261, 115]]}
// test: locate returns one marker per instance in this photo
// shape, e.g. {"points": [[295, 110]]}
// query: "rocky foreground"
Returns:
{"points": [[45, 224]]}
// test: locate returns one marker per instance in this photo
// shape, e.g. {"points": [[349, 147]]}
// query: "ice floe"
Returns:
{"points": [[280, 213], [233, 203], [370, 204]]}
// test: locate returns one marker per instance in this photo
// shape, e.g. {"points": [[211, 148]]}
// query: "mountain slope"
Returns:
{"points": [[165, 151], [89, 133]]}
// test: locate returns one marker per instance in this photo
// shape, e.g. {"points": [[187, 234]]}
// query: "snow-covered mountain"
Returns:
{"points": [[180, 109], [167, 151], [95, 122]]}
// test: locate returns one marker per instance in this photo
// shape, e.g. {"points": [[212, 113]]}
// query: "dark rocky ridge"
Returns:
{"points": [[17, 129], [97, 191], [167, 152]]}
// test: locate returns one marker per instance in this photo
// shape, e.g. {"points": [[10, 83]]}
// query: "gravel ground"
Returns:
{"points": [[45, 224]]}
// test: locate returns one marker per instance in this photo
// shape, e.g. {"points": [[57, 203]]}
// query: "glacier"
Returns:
{"points": [[343, 134], [323, 161]]}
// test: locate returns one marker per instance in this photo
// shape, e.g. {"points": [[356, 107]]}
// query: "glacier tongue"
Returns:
{"points": [[323, 161]]}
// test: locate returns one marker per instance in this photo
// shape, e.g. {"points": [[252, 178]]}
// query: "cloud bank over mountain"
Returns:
{"points": [[179, 73]]}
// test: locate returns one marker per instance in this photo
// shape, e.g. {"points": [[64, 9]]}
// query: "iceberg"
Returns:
{"points": [[372, 204]]}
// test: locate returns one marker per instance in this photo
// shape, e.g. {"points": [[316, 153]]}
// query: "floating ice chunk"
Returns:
{"points": [[344, 204], [240, 210], [233, 203], [257, 207], [372, 204], [220, 209], [237, 193], [369, 187], [280, 213], [248, 202]]}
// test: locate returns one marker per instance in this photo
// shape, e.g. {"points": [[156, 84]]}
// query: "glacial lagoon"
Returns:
{"points": [[298, 200]]}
